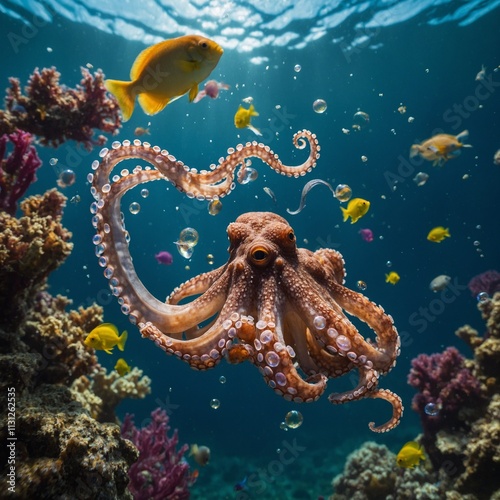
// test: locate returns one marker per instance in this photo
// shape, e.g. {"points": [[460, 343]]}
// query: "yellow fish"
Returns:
{"points": [[243, 117], [356, 208], [438, 234], [410, 455], [105, 336], [122, 367], [440, 148], [200, 453], [392, 278], [166, 71]]}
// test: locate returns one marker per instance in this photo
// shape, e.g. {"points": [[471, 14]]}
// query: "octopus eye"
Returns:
{"points": [[260, 255], [291, 236]]}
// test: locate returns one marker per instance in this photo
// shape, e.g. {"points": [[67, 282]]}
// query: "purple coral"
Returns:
{"points": [[488, 282], [443, 380], [56, 113], [160, 472], [17, 170]]}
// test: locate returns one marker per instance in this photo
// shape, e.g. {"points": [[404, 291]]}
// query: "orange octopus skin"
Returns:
{"points": [[279, 306]]}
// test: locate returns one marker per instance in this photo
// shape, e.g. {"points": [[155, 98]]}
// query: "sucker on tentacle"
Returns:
{"points": [[273, 304]]}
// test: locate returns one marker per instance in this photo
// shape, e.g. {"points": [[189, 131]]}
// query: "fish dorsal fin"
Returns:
{"points": [[152, 104], [143, 59], [111, 326]]}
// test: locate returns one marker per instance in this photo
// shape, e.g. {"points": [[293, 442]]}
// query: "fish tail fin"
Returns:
{"points": [[463, 136], [414, 150], [121, 340], [151, 104], [252, 111], [125, 95], [345, 213]]}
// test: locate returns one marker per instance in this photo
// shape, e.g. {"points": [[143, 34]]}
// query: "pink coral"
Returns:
{"points": [[17, 171], [160, 472]]}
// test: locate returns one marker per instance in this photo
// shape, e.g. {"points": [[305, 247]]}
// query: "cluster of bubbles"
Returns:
{"points": [[319, 106], [343, 192], [210, 259], [188, 239]]}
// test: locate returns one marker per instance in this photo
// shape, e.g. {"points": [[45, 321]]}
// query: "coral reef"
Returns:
{"points": [[31, 247], [371, 473], [56, 113], [102, 392], [17, 171], [61, 452], [160, 472], [55, 449], [488, 282], [462, 440], [443, 380]]}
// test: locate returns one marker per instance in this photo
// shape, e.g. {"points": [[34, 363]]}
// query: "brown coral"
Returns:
{"points": [[102, 392], [31, 247], [61, 452], [59, 337]]}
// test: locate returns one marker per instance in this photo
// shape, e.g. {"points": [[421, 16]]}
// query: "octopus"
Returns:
{"points": [[273, 304]]}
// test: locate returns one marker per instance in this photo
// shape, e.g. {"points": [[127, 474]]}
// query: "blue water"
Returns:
{"points": [[428, 63]]}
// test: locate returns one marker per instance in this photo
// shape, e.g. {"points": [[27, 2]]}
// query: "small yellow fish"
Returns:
{"points": [[243, 117], [440, 148], [438, 234], [122, 367], [356, 208], [105, 336], [201, 454], [392, 278], [410, 455], [166, 71]]}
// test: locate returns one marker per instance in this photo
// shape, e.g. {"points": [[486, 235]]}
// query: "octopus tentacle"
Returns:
{"points": [[397, 409], [382, 324], [274, 358], [195, 286], [205, 184]]}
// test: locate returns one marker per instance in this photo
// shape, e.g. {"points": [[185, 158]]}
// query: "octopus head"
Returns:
{"points": [[262, 239]]}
